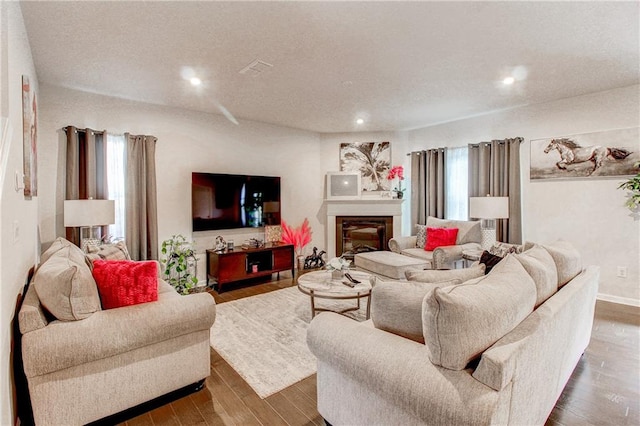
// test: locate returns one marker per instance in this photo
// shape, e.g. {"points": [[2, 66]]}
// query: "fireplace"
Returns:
{"points": [[365, 208], [360, 234]]}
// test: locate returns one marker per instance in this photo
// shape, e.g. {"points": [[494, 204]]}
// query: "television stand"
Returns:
{"points": [[242, 264]]}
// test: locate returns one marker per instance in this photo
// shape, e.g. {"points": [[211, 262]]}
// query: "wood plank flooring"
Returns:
{"points": [[603, 390]]}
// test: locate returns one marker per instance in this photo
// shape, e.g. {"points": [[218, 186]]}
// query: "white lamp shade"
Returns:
{"points": [[489, 207], [89, 212]]}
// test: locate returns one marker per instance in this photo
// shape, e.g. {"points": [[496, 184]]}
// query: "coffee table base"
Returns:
{"points": [[315, 309]]}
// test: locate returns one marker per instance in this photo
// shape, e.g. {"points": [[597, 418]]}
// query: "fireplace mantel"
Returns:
{"points": [[360, 207]]}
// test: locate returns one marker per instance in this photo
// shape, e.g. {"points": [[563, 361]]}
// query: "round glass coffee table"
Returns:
{"points": [[320, 285]]}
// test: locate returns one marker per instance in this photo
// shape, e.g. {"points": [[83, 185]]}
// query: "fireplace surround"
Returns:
{"points": [[370, 208]]}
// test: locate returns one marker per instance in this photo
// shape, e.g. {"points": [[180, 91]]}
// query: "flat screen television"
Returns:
{"points": [[223, 201]]}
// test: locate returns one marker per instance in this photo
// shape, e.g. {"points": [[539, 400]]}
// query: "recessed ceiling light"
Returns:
{"points": [[195, 81], [508, 80], [359, 121]]}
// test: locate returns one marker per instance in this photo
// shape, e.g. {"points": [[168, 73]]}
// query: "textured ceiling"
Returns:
{"points": [[399, 65]]}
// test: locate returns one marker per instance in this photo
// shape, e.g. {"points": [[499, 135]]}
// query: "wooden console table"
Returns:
{"points": [[242, 264]]}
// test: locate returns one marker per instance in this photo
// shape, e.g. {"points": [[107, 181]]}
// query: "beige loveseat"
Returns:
{"points": [[497, 349], [83, 370], [469, 238]]}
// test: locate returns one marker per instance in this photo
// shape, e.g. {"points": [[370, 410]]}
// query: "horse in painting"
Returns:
{"points": [[572, 153]]}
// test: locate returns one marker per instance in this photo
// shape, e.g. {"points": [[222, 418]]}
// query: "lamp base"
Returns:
{"points": [[488, 227], [90, 235]]}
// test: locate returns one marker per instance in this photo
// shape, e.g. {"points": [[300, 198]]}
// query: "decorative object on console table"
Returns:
{"points": [[397, 172], [89, 215], [180, 264], [299, 238], [221, 244], [272, 233], [488, 209]]}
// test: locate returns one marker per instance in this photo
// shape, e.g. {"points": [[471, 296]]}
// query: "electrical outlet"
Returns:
{"points": [[622, 272]]}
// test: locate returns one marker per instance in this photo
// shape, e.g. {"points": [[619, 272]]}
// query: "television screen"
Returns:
{"points": [[221, 201]]}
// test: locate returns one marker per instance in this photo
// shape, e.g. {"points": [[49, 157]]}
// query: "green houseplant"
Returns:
{"points": [[179, 262], [633, 186]]}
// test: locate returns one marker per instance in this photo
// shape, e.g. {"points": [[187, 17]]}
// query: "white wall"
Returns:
{"points": [[589, 213], [17, 255], [187, 142]]}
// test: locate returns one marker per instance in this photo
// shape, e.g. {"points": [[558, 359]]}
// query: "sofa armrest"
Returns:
{"points": [[399, 370], [111, 332], [398, 244], [444, 256]]}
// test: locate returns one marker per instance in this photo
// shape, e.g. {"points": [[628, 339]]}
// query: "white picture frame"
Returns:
{"points": [[344, 185]]}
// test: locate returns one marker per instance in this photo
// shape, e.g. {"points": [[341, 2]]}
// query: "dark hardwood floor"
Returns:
{"points": [[603, 390]]}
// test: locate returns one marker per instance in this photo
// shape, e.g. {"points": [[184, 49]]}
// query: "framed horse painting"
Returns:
{"points": [[587, 155]]}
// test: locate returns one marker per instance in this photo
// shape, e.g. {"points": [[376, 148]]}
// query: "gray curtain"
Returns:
{"points": [[427, 185], [141, 200], [494, 169], [86, 169]]}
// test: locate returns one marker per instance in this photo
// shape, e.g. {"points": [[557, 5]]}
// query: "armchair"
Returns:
{"points": [[469, 238]]}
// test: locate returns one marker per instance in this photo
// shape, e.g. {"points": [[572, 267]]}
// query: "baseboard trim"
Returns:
{"points": [[616, 299]]}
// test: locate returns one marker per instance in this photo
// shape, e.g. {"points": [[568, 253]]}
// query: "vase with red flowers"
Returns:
{"points": [[299, 237], [397, 172]]}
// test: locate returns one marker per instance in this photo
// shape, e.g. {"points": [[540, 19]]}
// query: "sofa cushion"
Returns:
{"points": [[438, 237], [436, 276], [460, 322], [468, 231], [396, 307], [65, 286], [489, 260], [540, 266], [567, 259], [117, 251], [126, 282]]}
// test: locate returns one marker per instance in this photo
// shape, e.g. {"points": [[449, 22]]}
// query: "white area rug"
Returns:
{"points": [[264, 337]]}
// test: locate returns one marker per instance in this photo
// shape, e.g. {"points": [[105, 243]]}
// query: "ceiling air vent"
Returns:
{"points": [[255, 68]]}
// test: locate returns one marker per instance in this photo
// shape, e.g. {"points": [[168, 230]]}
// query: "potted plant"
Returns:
{"points": [[299, 237], [633, 186], [180, 266]]}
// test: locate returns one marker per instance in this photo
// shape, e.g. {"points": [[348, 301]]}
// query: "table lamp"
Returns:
{"points": [[89, 215], [488, 209]]}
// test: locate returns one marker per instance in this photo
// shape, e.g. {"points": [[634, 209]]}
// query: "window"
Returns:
{"points": [[116, 164], [457, 183]]}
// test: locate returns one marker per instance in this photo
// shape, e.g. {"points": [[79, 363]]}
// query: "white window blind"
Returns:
{"points": [[116, 166], [457, 183]]}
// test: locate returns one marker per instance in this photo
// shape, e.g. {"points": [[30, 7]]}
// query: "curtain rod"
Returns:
{"points": [[473, 145]]}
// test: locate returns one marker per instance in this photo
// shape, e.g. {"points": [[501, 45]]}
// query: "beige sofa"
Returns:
{"points": [[497, 349], [469, 238], [79, 371]]}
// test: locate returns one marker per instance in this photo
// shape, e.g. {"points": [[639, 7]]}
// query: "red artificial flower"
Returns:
{"points": [[299, 237], [396, 172]]}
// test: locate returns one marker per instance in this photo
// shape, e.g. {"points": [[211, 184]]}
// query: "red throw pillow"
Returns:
{"points": [[437, 237], [125, 282]]}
